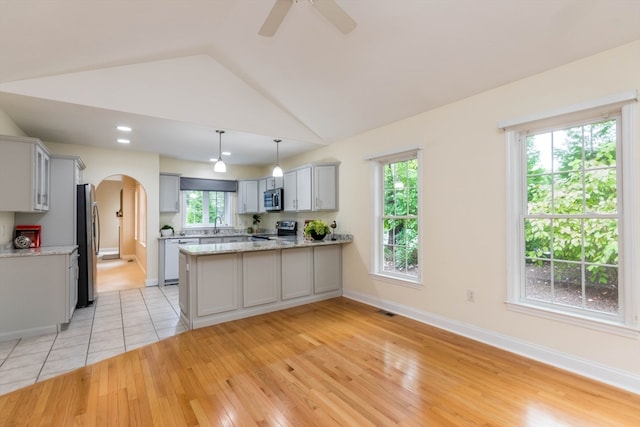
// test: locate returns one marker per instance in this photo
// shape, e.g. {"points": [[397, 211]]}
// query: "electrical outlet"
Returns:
{"points": [[471, 295]]}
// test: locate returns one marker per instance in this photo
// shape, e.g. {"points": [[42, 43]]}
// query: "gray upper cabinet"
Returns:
{"points": [[26, 170], [325, 188], [169, 193], [297, 189], [311, 188], [248, 196]]}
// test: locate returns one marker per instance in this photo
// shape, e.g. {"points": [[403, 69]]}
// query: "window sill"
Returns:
{"points": [[397, 280], [576, 320]]}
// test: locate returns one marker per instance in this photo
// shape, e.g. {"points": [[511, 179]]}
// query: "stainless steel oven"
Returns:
{"points": [[273, 200]]}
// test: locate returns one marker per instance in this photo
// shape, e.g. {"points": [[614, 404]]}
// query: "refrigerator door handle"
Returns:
{"points": [[96, 228]]}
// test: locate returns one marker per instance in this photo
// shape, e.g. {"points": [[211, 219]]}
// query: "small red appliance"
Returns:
{"points": [[32, 232]]}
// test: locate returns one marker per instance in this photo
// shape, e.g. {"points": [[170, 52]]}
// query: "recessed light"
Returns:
{"points": [[123, 141], [226, 153], [124, 128]]}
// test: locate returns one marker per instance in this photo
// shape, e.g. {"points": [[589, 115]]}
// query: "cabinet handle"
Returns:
{"points": [[177, 206]]}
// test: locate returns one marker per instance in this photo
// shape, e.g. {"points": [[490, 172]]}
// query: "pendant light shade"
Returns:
{"points": [[277, 170], [220, 166]]}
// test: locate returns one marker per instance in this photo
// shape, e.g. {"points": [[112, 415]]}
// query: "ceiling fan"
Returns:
{"points": [[328, 8]]}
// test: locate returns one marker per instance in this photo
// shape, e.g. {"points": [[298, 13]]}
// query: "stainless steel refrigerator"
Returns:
{"points": [[88, 234]]}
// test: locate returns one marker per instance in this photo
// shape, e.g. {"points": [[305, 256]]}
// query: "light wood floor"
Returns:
{"points": [[336, 362], [119, 275]]}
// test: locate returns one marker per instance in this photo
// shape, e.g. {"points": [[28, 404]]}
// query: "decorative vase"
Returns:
{"points": [[315, 236]]}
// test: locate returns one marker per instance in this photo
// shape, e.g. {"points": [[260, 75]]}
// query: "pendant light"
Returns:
{"points": [[277, 170], [220, 166]]}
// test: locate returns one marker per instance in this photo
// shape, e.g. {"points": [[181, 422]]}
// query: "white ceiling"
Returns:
{"points": [[71, 70]]}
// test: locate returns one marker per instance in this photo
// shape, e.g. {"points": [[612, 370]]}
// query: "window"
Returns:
{"points": [[568, 239], [396, 252], [203, 208]]}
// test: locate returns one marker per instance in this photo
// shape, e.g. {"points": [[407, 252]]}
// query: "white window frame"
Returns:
{"points": [[228, 211], [378, 161], [626, 323]]}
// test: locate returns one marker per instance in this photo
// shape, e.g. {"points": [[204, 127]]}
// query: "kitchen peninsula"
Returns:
{"points": [[228, 281]]}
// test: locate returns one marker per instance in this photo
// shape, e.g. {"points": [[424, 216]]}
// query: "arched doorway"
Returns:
{"points": [[122, 258]]}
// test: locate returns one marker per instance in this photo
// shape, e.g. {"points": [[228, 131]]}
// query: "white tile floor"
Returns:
{"points": [[118, 321]]}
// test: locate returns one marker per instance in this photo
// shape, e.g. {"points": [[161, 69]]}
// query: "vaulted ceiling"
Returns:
{"points": [[175, 71]]}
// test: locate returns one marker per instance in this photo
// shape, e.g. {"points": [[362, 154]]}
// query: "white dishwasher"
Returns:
{"points": [[171, 258]]}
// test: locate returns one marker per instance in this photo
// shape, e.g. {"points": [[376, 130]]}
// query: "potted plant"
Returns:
{"points": [[256, 222], [166, 230], [316, 229]]}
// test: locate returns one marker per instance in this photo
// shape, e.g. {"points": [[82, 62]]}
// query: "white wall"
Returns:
{"points": [[463, 206]]}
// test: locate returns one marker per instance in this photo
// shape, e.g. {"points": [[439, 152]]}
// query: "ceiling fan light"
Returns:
{"points": [[277, 171]]}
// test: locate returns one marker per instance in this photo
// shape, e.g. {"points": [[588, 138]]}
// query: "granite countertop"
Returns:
{"points": [[10, 252], [207, 235], [262, 245]]}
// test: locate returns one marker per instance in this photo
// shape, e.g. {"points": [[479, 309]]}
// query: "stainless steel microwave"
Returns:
{"points": [[273, 200]]}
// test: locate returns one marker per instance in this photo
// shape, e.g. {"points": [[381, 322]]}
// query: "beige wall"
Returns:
{"points": [[141, 167], [108, 199], [463, 207], [127, 240]]}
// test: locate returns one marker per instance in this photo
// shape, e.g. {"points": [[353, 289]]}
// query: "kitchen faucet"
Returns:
{"points": [[215, 224]]}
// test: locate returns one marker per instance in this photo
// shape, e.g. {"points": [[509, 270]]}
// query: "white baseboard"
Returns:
{"points": [[615, 377]]}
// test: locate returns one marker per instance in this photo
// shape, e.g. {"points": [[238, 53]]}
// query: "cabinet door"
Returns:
{"points": [[274, 182], [248, 197], [41, 179], [73, 283], [297, 272], [183, 285], [289, 191], [324, 188], [327, 268], [260, 277], [303, 189], [217, 283], [169, 193], [26, 162], [262, 187]]}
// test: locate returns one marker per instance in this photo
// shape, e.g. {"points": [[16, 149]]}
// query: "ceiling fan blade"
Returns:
{"points": [[275, 17], [335, 14]]}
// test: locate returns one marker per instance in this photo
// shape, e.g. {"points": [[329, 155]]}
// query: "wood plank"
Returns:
{"points": [[335, 362]]}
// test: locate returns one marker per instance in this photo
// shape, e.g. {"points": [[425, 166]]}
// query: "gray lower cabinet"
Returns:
{"points": [[218, 282], [297, 273], [327, 268], [219, 287], [37, 294], [260, 277]]}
